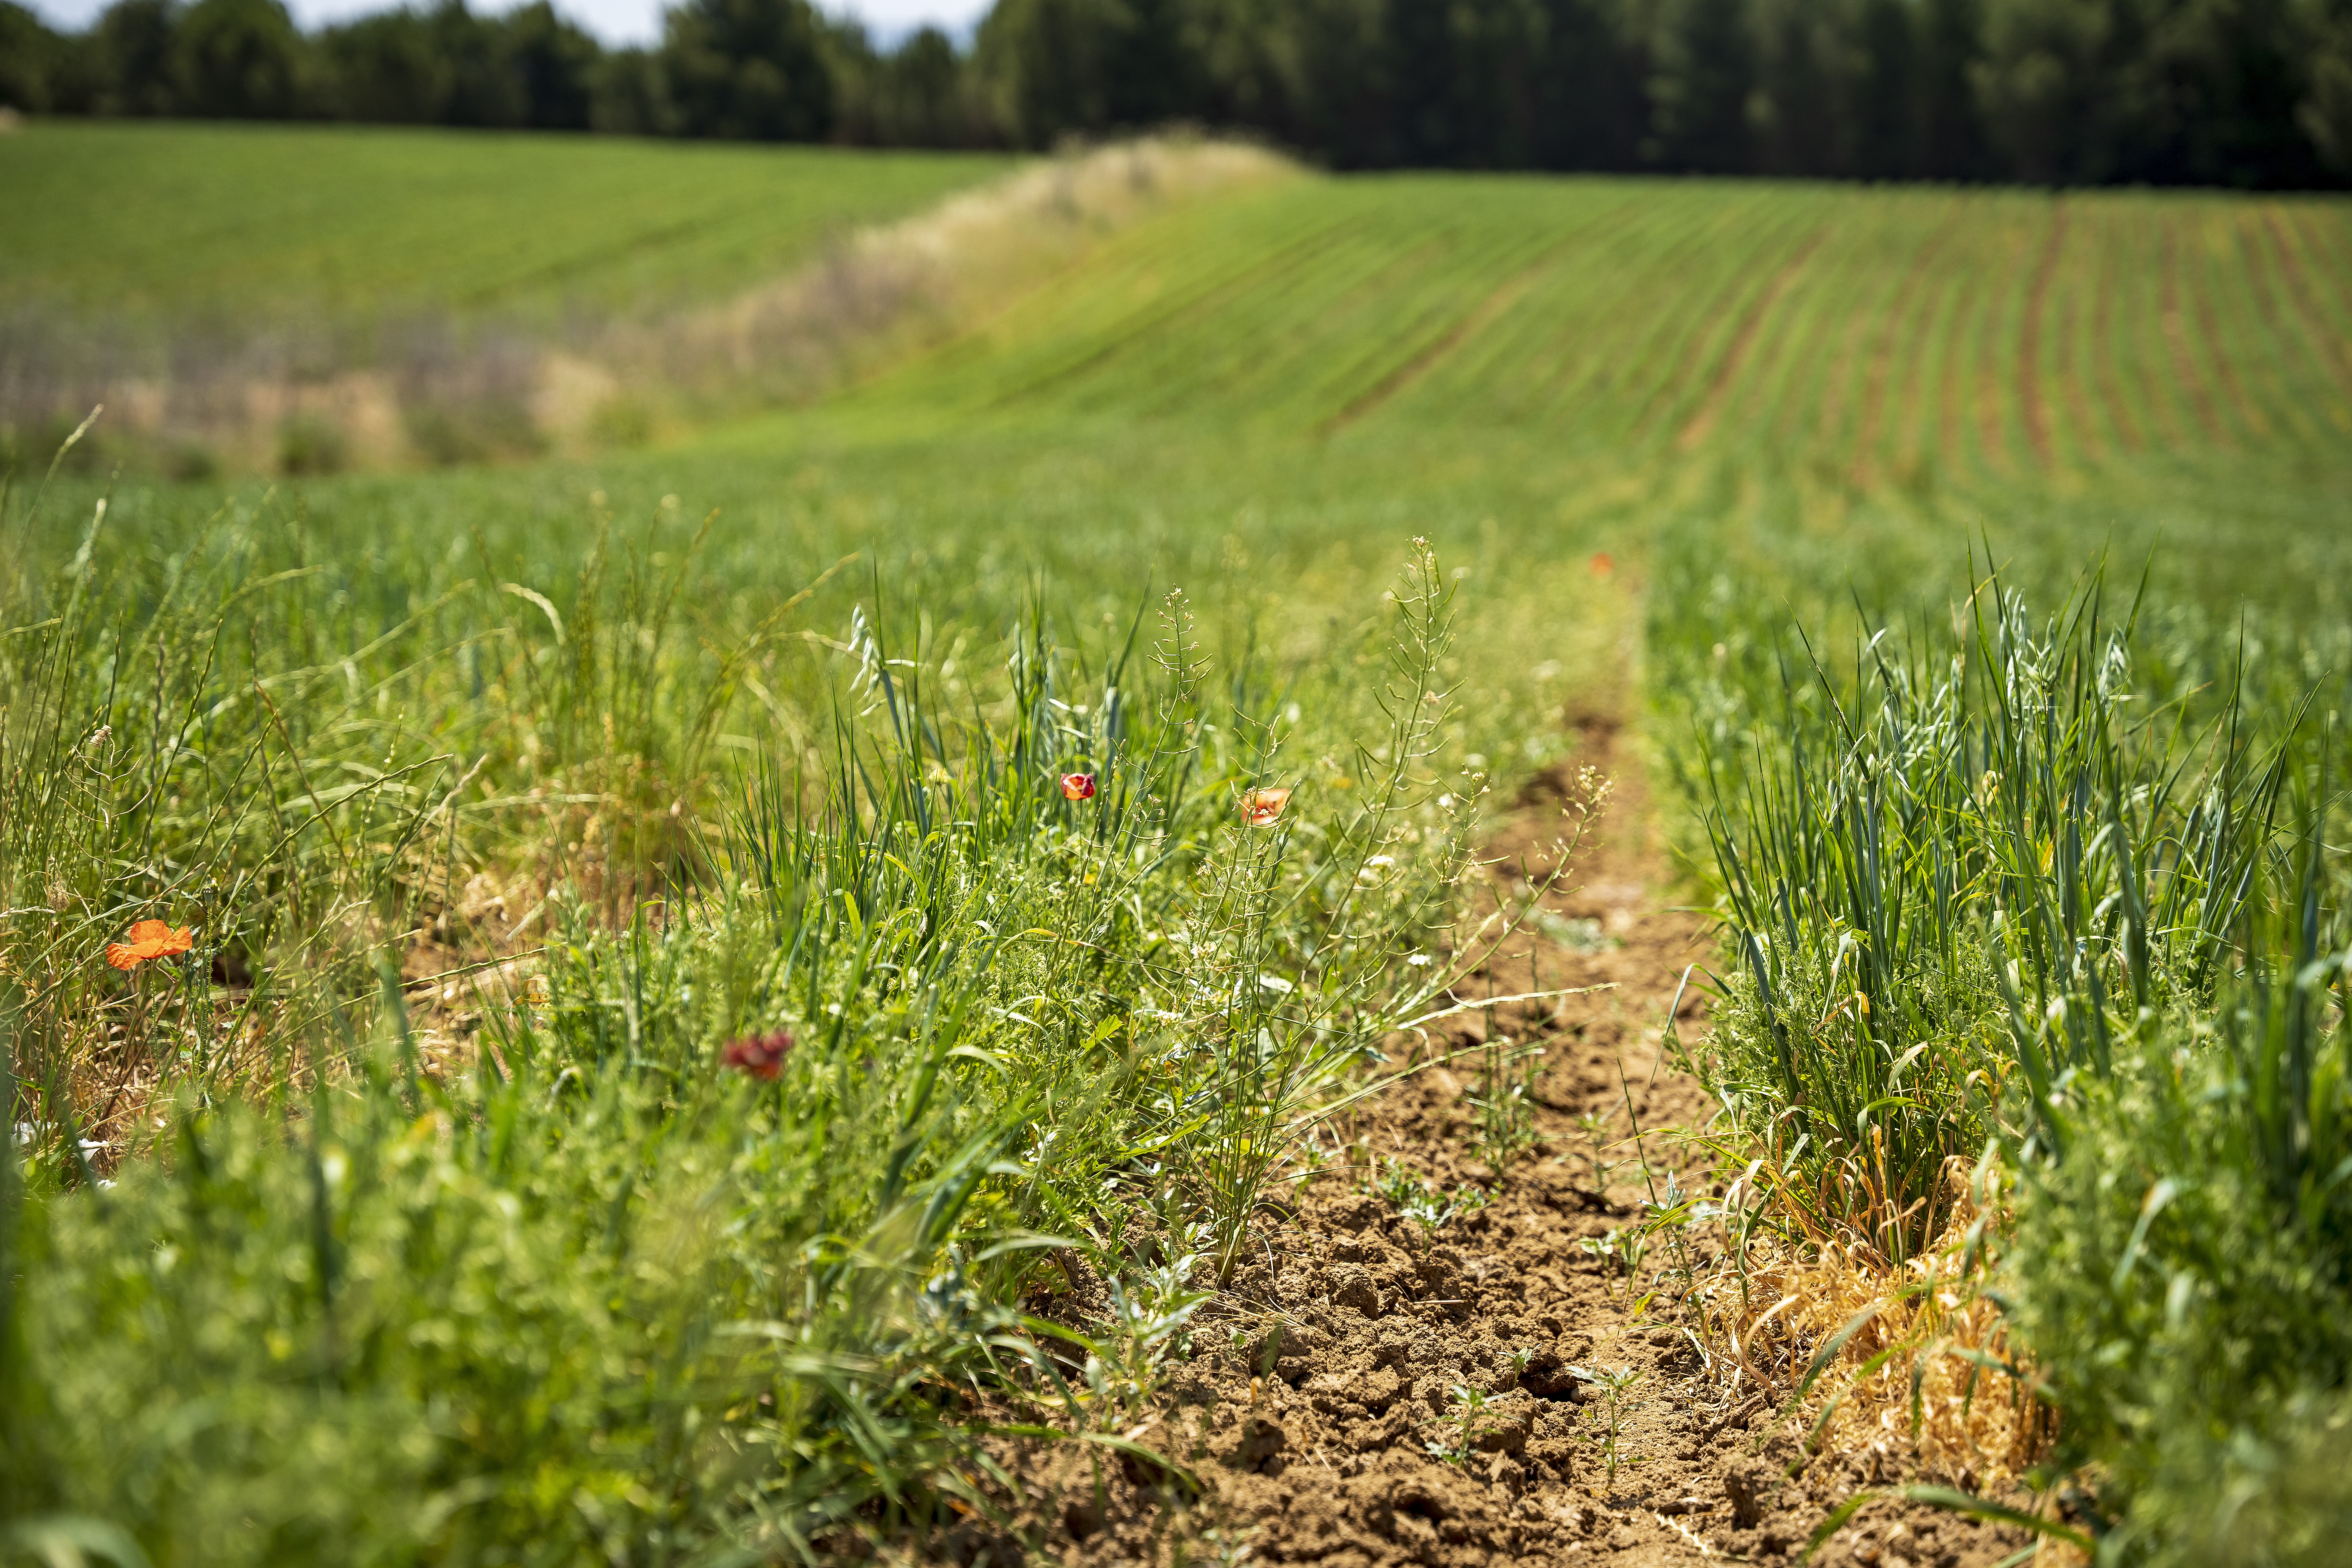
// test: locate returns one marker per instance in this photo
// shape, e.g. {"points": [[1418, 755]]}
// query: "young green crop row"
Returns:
{"points": [[1994, 337], [2054, 879]]}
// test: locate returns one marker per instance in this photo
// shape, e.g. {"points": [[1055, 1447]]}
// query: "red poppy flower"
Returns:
{"points": [[759, 1055], [148, 939], [1603, 563], [1077, 786], [1263, 805]]}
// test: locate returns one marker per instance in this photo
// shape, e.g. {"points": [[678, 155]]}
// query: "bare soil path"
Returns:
{"points": [[1325, 1374]]}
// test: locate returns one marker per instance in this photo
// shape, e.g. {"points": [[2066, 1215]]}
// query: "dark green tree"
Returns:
{"points": [[1322, 75], [1702, 70], [31, 60], [1425, 107], [1589, 106], [920, 94], [1951, 139], [554, 66], [1800, 111], [484, 89], [1048, 66], [240, 59], [2223, 80], [1153, 72], [748, 70], [131, 59], [630, 95], [1884, 127], [2053, 90], [387, 69], [2325, 110]]}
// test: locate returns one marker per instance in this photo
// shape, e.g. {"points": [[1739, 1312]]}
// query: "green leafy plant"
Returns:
{"points": [[1468, 1412], [1610, 1387], [1948, 820], [1124, 1363], [1624, 1245], [1503, 1099], [1594, 1126], [1419, 1199]]}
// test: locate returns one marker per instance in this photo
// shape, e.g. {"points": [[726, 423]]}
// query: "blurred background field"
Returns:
{"points": [[239, 225], [688, 641]]}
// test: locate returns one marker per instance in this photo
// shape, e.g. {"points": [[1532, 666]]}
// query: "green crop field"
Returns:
{"points": [[1873, 338], [1973, 567], [240, 222]]}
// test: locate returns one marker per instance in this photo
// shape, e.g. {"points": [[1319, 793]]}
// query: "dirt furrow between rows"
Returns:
{"points": [[1386, 1381]]}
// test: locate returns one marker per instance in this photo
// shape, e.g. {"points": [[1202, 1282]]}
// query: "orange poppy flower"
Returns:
{"points": [[1603, 563], [148, 939], [1077, 786], [1263, 805]]}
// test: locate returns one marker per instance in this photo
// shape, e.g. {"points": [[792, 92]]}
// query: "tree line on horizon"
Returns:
{"points": [[2240, 93]]}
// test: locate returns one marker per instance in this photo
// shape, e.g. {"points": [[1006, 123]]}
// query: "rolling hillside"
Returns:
{"points": [[240, 222]]}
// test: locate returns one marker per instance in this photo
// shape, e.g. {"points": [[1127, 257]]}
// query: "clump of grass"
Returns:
{"points": [[704, 1221], [2183, 1261], [1996, 906], [1503, 1100], [1292, 935], [1951, 822], [1921, 1368]]}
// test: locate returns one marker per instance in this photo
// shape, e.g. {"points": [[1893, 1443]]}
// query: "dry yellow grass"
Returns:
{"points": [[1921, 1376]]}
